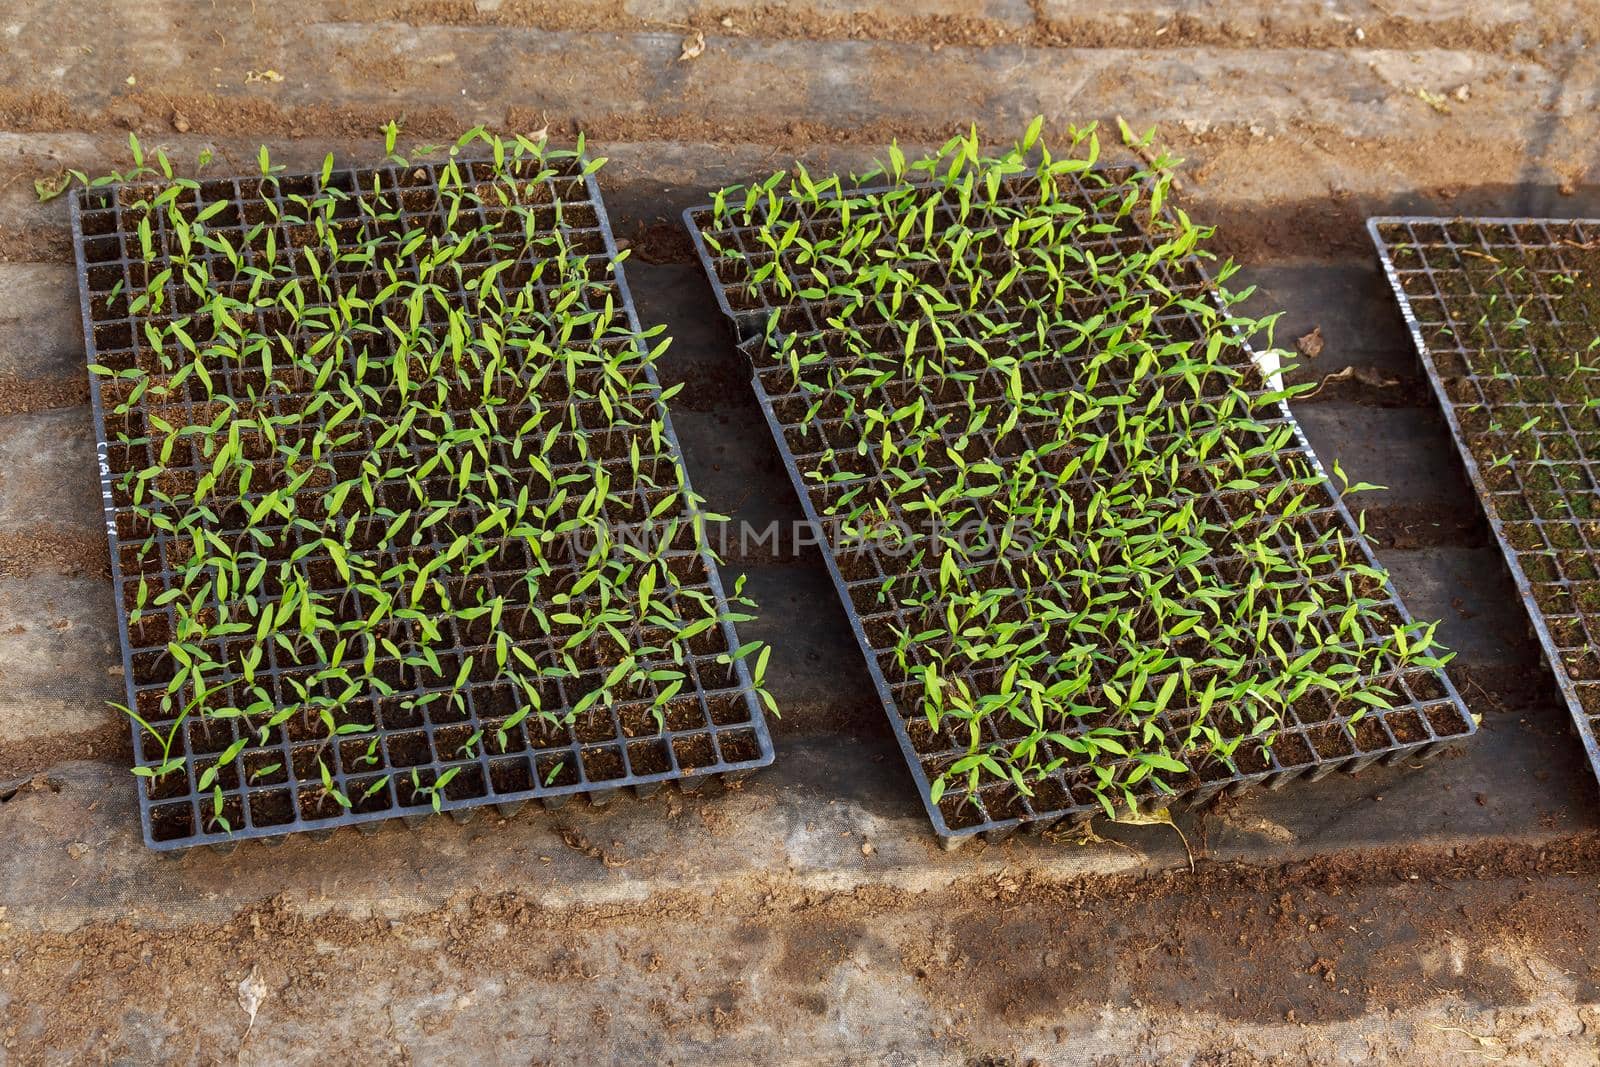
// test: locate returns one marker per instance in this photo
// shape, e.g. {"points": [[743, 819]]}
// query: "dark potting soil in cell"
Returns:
{"points": [[270, 749], [801, 336], [1505, 314]]}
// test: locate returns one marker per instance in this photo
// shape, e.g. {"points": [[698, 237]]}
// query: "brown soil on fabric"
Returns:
{"points": [[1413, 526], [1319, 941], [20, 396], [35, 244], [55, 551], [1383, 29], [110, 744], [662, 242]]}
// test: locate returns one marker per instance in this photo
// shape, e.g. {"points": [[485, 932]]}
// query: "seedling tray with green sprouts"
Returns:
{"points": [[1089, 557], [1505, 314], [398, 521]]}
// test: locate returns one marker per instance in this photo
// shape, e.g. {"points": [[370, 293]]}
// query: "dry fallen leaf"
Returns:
{"points": [[1311, 345], [254, 76], [51, 187], [1481, 1040], [693, 46], [252, 991], [1157, 817], [1083, 834], [1361, 375], [1434, 100]]}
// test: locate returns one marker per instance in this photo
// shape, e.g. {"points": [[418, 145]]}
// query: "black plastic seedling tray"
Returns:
{"points": [[1502, 310], [1428, 715], [713, 727]]}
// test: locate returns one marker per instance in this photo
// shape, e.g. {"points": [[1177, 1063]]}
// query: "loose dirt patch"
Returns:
{"points": [[1312, 943]]}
